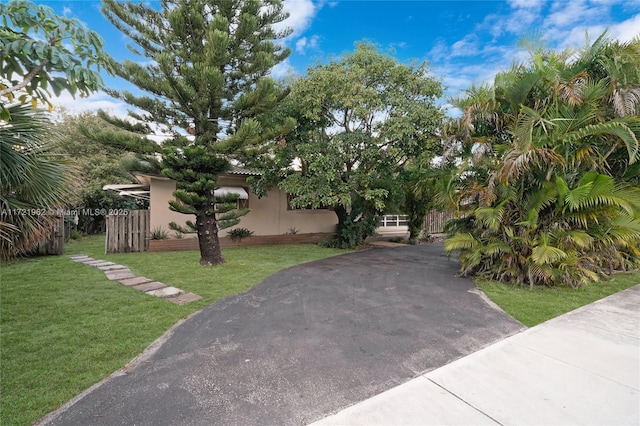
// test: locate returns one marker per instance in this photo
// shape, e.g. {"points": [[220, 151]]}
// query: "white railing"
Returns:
{"points": [[393, 220]]}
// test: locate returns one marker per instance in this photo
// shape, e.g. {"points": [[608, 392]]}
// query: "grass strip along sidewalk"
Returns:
{"points": [[537, 305]]}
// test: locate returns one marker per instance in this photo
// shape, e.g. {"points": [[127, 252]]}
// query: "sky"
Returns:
{"points": [[464, 42]]}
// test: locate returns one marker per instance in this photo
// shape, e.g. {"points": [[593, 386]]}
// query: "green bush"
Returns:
{"points": [[238, 234], [159, 234]]}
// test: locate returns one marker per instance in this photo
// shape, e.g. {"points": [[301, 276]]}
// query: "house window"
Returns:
{"points": [[243, 196], [240, 204], [289, 207]]}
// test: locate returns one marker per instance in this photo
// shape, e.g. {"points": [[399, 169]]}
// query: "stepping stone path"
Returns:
{"points": [[124, 276]]}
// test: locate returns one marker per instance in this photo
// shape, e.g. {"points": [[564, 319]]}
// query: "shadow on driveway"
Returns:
{"points": [[304, 343]]}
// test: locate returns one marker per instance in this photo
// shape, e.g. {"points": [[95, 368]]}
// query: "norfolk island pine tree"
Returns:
{"points": [[206, 71]]}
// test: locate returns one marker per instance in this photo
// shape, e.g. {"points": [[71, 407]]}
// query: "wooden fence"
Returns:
{"points": [[55, 243], [435, 220], [127, 233]]}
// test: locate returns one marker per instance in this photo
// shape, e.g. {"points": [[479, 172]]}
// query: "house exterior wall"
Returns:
{"points": [[160, 192], [269, 215]]}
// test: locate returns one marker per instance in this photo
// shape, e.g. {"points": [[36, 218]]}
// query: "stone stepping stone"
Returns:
{"points": [[165, 292], [101, 263], [129, 282], [79, 257], [94, 262], [154, 285], [119, 274], [124, 276], [184, 298], [112, 267]]}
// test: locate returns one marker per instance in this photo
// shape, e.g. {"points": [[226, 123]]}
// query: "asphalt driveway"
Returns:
{"points": [[303, 344]]}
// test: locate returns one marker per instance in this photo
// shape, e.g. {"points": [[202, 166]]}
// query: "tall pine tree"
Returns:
{"points": [[206, 72]]}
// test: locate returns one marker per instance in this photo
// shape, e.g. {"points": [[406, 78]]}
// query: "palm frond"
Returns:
{"points": [[547, 255]]}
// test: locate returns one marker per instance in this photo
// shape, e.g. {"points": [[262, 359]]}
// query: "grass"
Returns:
{"points": [[534, 306], [66, 327]]}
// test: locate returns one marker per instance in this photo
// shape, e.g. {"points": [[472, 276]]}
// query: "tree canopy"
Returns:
{"points": [[360, 119], [41, 51], [206, 73]]}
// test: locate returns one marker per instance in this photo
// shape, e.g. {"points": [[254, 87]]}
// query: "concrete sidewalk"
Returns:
{"points": [[580, 368]]}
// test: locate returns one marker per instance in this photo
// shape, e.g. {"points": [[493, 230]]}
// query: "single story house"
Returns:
{"points": [[269, 215]]}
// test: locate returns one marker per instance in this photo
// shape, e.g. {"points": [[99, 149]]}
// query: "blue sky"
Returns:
{"points": [[464, 42]]}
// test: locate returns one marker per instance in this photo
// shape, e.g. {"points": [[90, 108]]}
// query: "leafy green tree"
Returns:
{"points": [[98, 165], [206, 71], [549, 176], [360, 119], [40, 50]]}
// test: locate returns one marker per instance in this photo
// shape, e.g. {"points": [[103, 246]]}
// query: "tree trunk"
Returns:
{"points": [[417, 210], [210, 254], [341, 213]]}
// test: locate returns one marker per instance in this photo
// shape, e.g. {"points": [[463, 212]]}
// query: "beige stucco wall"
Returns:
{"points": [[269, 215], [160, 192]]}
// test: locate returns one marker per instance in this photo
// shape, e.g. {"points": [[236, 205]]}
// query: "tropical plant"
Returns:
{"points": [[35, 181], [237, 234], [39, 51], [548, 179], [159, 233]]}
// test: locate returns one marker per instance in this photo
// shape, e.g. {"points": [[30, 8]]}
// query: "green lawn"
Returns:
{"points": [[66, 327], [533, 306]]}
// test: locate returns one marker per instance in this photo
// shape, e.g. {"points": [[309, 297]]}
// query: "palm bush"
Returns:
{"points": [[549, 172], [34, 180]]}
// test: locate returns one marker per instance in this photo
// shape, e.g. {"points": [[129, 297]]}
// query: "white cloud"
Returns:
{"points": [[575, 36], [627, 30], [524, 4], [468, 46], [439, 51], [301, 13], [523, 17], [282, 70], [565, 13], [303, 44], [94, 102]]}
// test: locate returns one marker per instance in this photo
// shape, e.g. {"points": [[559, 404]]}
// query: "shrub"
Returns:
{"points": [[159, 234], [238, 234], [291, 231]]}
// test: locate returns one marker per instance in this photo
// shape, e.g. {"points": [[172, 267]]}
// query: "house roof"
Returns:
{"points": [[134, 190], [243, 171], [141, 190]]}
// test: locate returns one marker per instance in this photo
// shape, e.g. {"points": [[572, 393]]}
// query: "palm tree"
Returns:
{"points": [[34, 181], [547, 183]]}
